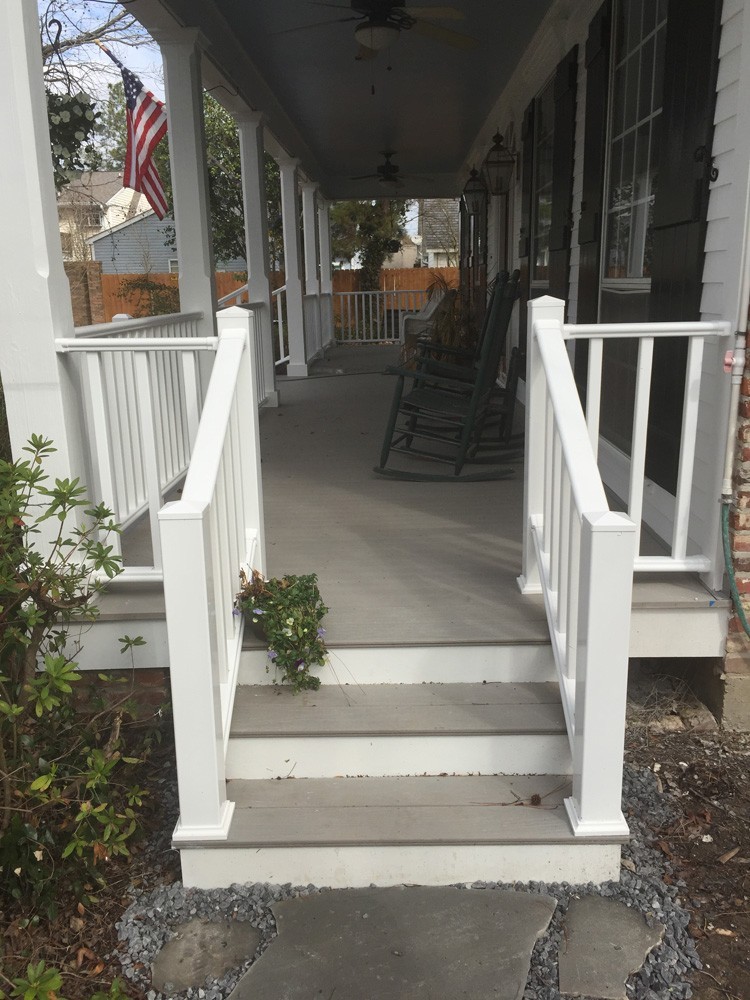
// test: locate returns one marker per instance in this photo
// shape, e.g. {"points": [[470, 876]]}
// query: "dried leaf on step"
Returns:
{"points": [[724, 932]]}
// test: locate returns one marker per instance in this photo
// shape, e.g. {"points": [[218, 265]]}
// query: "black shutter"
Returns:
{"points": [[566, 77], [594, 152], [524, 245], [691, 65]]}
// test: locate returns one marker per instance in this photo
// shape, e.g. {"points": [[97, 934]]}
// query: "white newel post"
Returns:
{"points": [[250, 129], [326, 272], [603, 639], [41, 393], [205, 812], [544, 308], [294, 309], [187, 155]]}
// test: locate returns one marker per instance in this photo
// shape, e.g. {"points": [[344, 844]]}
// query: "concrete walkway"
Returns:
{"points": [[413, 943]]}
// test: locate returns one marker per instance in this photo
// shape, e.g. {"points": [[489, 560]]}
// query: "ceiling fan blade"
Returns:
{"points": [[445, 35], [364, 54], [438, 13], [315, 24], [364, 177]]}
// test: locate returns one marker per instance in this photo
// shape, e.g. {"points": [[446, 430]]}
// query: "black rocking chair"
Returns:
{"points": [[445, 412]]}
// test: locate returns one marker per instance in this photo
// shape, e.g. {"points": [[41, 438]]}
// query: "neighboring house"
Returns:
{"points": [[143, 245], [90, 201], [439, 227], [407, 255]]}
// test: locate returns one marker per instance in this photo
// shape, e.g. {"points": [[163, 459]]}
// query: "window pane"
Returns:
{"points": [[631, 90], [658, 98], [618, 244], [618, 102], [542, 199], [641, 187], [646, 83], [653, 166]]}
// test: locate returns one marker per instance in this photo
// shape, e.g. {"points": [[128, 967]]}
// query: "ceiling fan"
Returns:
{"points": [[380, 23], [388, 173]]}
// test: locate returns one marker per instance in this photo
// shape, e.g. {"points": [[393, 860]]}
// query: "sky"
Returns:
{"points": [[98, 70]]}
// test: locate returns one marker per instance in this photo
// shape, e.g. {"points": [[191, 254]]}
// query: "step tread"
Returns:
{"points": [[390, 709], [368, 812]]}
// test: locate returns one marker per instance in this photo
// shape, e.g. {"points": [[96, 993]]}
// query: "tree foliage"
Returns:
{"points": [[371, 230]]}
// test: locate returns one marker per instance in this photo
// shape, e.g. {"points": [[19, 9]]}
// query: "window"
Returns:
{"points": [[541, 205], [174, 265], [638, 71]]}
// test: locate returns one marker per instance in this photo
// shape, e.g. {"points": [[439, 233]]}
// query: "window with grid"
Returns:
{"points": [[637, 84]]}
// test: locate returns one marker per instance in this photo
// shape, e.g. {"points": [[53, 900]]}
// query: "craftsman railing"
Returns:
{"points": [[281, 351], [142, 390], [207, 536], [370, 317]]}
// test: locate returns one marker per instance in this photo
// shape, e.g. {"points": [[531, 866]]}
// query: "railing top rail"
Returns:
{"points": [[585, 479], [203, 471], [383, 291], [573, 331], [66, 345], [231, 295], [132, 325], [281, 288]]}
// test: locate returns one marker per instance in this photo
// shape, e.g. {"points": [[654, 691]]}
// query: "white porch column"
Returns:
{"points": [[309, 213], [326, 274], [187, 154], [250, 128], [41, 393], [290, 224]]}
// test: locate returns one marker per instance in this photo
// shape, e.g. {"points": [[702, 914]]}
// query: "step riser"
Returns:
{"points": [[342, 867], [326, 757], [418, 664]]}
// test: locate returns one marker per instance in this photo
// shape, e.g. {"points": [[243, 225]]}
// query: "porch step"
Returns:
{"points": [[397, 729], [430, 830]]}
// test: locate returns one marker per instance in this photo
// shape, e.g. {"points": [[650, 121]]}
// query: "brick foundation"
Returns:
{"points": [[85, 280], [148, 688]]}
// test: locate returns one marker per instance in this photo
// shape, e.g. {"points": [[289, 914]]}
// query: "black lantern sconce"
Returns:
{"points": [[475, 193], [498, 165]]}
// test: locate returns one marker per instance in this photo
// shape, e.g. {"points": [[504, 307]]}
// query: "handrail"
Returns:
{"points": [[232, 296], [214, 530], [579, 555], [584, 331], [132, 325], [67, 345]]}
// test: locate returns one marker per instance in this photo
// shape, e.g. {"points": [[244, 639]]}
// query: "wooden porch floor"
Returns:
{"points": [[398, 562]]}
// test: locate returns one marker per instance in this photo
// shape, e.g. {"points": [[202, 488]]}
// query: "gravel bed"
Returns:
{"points": [[151, 920]]}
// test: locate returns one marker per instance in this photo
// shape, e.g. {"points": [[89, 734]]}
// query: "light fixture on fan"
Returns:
{"points": [[376, 35], [498, 166]]}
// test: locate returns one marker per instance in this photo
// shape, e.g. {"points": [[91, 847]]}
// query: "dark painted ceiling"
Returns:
{"points": [[429, 102]]}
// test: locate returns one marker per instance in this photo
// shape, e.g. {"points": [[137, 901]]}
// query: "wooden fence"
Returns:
{"points": [[154, 294]]}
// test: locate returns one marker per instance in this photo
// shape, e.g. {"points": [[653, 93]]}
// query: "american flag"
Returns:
{"points": [[147, 124]]}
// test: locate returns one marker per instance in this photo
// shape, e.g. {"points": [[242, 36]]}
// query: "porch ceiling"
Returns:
{"points": [[317, 99]]}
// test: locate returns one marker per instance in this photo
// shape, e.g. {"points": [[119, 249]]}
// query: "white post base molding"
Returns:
{"points": [[616, 827], [273, 398], [527, 587], [184, 834], [296, 370]]}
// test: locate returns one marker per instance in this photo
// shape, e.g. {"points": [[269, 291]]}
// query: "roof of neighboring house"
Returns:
{"points": [[438, 224], [92, 187]]}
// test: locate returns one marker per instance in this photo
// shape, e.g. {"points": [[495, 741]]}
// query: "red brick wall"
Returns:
{"points": [[85, 280]]}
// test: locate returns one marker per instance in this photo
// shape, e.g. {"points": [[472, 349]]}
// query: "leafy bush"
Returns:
{"points": [[64, 805], [73, 123], [289, 610]]}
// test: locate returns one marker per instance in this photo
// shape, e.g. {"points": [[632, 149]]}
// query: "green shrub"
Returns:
{"points": [[65, 804]]}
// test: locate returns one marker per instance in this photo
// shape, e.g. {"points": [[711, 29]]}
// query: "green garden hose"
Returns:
{"points": [[730, 568]]}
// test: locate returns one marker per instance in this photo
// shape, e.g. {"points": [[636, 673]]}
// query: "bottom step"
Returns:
{"points": [[385, 831]]}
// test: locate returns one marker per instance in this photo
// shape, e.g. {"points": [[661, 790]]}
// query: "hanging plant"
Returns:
{"points": [[73, 122]]}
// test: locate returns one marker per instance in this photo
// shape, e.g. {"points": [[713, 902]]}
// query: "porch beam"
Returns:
{"points": [[250, 129], [181, 54], [41, 393], [290, 226]]}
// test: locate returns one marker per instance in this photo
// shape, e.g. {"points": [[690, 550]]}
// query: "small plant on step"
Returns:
{"points": [[289, 611], [65, 807]]}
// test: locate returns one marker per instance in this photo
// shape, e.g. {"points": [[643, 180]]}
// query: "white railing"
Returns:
{"points": [[311, 314], [142, 390], [579, 555], [326, 318], [370, 317], [207, 536], [678, 558], [279, 321], [236, 298]]}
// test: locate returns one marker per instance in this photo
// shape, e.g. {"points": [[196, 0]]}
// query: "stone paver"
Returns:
{"points": [[400, 944], [201, 949], [604, 941]]}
